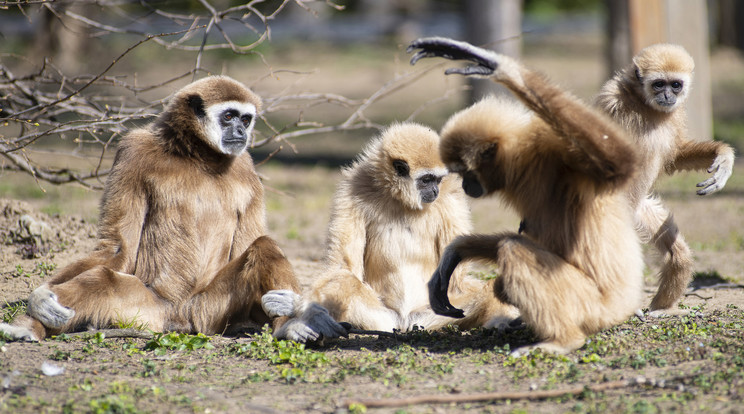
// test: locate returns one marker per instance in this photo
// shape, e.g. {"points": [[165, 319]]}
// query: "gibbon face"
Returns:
{"points": [[665, 74], [475, 142], [228, 126], [217, 110], [408, 163]]}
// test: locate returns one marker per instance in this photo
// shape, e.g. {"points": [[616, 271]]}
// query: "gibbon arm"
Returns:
{"points": [[604, 150], [122, 217], [715, 157], [347, 238], [251, 224], [463, 248]]}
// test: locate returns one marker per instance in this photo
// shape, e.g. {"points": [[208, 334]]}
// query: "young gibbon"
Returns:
{"points": [[577, 266], [393, 214], [648, 99], [181, 242]]}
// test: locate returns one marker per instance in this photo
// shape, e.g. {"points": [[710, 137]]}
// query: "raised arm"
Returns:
{"points": [[603, 149]]}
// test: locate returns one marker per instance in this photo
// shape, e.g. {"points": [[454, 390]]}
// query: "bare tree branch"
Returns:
{"points": [[47, 102]]}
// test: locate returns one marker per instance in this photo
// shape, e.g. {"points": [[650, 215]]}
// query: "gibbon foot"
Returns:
{"points": [[280, 303], [485, 64], [18, 333], [313, 324], [505, 324], [44, 306], [551, 347], [668, 312]]}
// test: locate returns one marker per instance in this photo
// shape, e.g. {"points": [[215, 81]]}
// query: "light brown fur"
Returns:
{"points": [[577, 267], [661, 139], [384, 243], [181, 237]]}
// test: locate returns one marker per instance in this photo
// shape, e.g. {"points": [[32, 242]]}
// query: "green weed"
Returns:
{"points": [[174, 341]]}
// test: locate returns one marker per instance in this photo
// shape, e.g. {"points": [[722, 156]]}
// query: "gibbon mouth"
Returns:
{"points": [[233, 141]]}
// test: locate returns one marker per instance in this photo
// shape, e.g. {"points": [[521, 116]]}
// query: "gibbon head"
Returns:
{"points": [[476, 140], [407, 164], [665, 74], [218, 111]]}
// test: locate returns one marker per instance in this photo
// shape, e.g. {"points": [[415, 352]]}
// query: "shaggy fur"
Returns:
{"points": [[576, 267], [181, 242], [384, 243], [662, 142]]}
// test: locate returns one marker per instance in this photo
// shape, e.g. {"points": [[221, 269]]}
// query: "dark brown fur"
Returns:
{"points": [[181, 242]]}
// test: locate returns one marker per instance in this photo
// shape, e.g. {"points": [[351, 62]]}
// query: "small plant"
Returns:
{"points": [[280, 352], [174, 341], [11, 310], [45, 269], [20, 272]]}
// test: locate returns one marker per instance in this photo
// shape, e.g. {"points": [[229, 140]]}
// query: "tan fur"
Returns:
{"points": [[661, 139], [576, 268], [384, 244], [181, 233]]}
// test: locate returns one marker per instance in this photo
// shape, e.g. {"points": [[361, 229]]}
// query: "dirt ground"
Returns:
{"points": [[121, 375]]}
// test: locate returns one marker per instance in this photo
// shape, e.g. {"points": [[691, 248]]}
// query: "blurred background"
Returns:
{"points": [[76, 75]]}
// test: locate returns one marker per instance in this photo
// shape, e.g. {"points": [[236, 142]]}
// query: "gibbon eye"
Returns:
{"points": [[246, 120], [677, 85], [428, 179], [227, 116], [658, 85], [401, 168]]}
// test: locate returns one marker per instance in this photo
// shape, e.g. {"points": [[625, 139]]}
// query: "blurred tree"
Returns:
{"points": [[730, 16], [496, 25]]}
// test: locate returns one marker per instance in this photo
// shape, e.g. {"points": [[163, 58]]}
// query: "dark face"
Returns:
{"points": [[471, 185], [666, 91], [233, 125], [426, 184], [428, 187]]}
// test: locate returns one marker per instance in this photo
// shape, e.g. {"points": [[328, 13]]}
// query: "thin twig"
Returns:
{"points": [[500, 396]]}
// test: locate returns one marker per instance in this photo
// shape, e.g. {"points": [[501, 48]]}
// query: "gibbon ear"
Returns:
{"points": [[401, 168], [196, 103]]}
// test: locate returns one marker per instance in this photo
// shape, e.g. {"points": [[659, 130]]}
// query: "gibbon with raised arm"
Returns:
{"points": [[648, 99], [576, 268], [181, 236]]}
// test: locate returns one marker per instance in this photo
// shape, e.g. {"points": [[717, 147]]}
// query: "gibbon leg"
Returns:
{"points": [[480, 306], [486, 310], [100, 298], [348, 299], [656, 224], [556, 299], [234, 295]]}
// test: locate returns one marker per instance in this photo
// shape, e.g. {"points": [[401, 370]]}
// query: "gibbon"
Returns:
{"points": [[393, 214], [181, 244], [647, 98], [577, 267]]}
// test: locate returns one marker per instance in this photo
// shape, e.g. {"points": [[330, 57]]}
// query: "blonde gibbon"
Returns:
{"points": [[648, 99], [576, 268], [393, 214], [181, 236]]}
